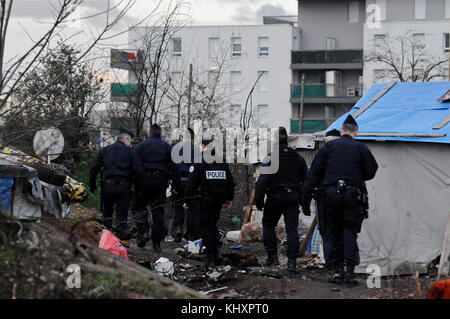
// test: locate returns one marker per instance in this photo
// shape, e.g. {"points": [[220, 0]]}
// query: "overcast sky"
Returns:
{"points": [[30, 18]]}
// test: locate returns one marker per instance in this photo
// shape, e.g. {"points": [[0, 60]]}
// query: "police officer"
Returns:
{"points": [[158, 167], [120, 164], [283, 198], [213, 180], [318, 196], [342, 166], [188, 152]]}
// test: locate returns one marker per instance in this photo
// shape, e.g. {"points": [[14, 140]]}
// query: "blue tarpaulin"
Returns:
{"points": [[408, 107], [6, 187]]}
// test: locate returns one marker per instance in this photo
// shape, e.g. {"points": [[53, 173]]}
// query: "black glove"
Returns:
{"points": [[306, 205]]}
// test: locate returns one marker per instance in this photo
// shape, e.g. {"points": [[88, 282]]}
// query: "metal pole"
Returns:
{"points": [[302, 104], [189, 97]]}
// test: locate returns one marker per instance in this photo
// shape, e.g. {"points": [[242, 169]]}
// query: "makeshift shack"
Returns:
{"points": [[407, 127]]}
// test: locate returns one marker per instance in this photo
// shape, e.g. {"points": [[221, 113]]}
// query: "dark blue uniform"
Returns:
{"points": [[193, 217], [158, 167], [214, 183], [283, 198], [120, 164], [342, 166]]}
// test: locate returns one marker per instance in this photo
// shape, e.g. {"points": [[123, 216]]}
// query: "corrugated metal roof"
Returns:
{"points": [[408, 108]]}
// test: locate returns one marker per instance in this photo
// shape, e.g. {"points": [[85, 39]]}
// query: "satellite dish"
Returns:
{"points": [[48, 143]]}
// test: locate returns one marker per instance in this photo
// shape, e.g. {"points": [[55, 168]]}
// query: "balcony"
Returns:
{"points": [[310, 125], [323, 59], [317, 93], [123, 92]]}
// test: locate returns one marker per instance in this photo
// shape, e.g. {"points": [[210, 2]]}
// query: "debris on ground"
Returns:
{"points": [[440, 290], [164, 267], [111, 243]]}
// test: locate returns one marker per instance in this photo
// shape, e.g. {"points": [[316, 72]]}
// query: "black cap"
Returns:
{"points": [[333, 132], [350, 120], [207, 140]]}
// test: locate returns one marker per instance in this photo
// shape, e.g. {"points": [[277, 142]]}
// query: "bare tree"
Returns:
{"points": [[13, 72], [405, 59], [152, 44]]}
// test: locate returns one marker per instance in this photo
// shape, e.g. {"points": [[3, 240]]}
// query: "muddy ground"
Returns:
{"points": [[259, 282]]}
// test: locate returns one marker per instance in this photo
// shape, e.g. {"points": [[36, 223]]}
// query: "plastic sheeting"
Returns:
{"points": [[6, 188], [408, 107], [409, 207]]}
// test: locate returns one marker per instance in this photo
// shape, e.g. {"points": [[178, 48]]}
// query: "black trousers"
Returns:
{"points": [[323, 230], [116, 196], [278, 204], [210, 214], [151, 191], [342, 224]]}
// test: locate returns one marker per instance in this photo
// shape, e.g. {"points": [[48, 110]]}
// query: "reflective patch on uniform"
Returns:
{"points": [[191, 169], [216, 175]]}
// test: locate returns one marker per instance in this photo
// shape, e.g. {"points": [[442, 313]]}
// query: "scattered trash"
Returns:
{"points": [[179, 251], [236, 246], [232, 294], [233, 235], [186, 266], [112, 244], [205, 293], [169, 239], [440, 290], [164, 267], [227, 268], [194, 247], [236, 220], [214, 275]]}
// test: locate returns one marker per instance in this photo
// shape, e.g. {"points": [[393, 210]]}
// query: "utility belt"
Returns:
{"points": [[154, 172], [284, 190], [362, 195], [116, 180]]}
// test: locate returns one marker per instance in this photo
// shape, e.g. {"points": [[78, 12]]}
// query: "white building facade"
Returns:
{"points": [[232, 60]]}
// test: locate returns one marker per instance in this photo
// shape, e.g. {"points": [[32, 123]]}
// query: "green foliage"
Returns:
{"points": [[61, 93]]}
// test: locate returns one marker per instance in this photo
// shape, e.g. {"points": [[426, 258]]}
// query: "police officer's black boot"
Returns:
{"points": [[292, 264], [142, 240], [156, 247], [350, 278], [272, 260], [337, 274]]}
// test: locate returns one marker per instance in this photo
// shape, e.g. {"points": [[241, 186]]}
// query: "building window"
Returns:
{"points": [[176, 47], [379, 41], [213, 47], [382, 5], [235, 114], [263, 44], [419, 40], [447, 9], [236, 47], [263, 82], [420, 9], [262, 114], [353, 11], [331, 43], [447, 42], [235, 80]]}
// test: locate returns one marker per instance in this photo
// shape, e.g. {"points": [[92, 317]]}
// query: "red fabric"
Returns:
{"points": [[440, 290], [112, 244]]}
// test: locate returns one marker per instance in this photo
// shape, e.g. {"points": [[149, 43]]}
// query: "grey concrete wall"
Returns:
{"points": [[403, 10], [329, 18]]}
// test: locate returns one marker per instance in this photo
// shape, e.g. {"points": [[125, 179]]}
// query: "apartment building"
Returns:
{"points": [[247, 64], [336, 38]]}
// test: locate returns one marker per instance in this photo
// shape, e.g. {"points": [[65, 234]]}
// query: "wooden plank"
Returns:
{"points": [[443, 264], [374, 99], [401, 135], [308, 237], [395, 135], [248, 209], [442, 123]]}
